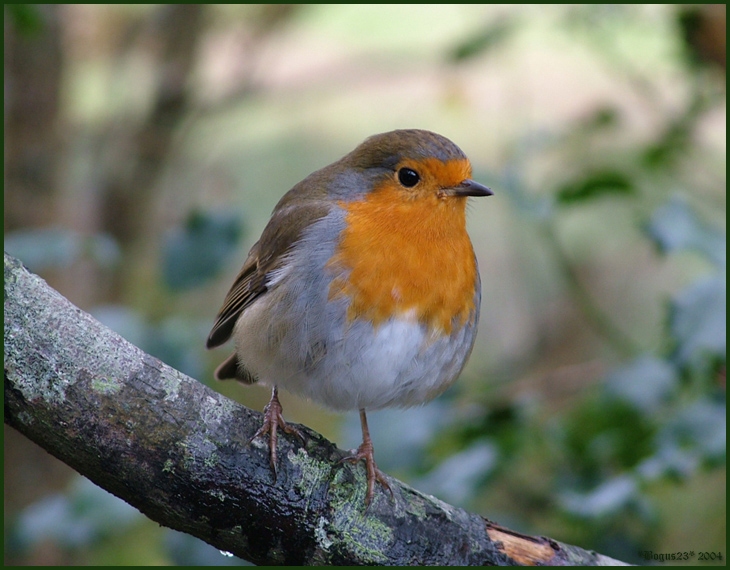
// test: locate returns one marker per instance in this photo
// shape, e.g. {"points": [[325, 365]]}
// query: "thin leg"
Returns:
{"points": [[365, 452], [272, 421]]}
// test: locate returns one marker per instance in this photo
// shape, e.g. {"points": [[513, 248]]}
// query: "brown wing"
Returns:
{"points": [[249, 284], [287, 223]]}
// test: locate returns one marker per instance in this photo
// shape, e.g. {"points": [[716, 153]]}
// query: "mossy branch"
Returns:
{"points": [[177, 451]]}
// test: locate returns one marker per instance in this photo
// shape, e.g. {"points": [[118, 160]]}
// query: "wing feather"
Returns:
{"points": [[284, 229]]}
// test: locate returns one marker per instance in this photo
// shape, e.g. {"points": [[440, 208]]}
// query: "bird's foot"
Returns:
{"points": [[273, 421], [365, 453]]}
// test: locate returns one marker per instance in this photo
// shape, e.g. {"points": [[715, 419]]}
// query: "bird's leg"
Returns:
{"points": [[272, 421], [365, 452]]}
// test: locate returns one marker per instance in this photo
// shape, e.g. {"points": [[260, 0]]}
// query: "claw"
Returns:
{"points": [[365, 452], [273, 420]]}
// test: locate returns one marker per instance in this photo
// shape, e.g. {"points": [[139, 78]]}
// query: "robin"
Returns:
{"points": [[363, 291]]}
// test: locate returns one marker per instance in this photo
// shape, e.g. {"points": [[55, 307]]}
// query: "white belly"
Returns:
{"points": [[396, 364]]}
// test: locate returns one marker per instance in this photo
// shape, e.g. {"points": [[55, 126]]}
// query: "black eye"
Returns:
{"points": [[408, 177]]}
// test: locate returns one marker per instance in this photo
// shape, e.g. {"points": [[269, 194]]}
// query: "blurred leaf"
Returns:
{"points": [[197, 252], [702, 426], [457, 479], [670, 460], [646, 383], [695, 436], [675, 140], [26, 18], [608, 498], [85, 514], [594, 185], [51, 248], [605, 435], [43, 249], [602, 118], [505, 422], [698, 322], [675, 226], [487, 38]]}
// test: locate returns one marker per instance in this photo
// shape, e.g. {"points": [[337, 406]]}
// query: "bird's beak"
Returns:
{"points": [[469, 188]]}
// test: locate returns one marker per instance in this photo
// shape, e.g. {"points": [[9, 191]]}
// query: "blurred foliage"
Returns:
{"points": [[53, 248], [26, 18], [197, 252], [593, 409], [593, 185], [489, 37]]}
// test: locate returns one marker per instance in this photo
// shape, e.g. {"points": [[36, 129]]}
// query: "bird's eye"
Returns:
{"points": [[408, 177]]}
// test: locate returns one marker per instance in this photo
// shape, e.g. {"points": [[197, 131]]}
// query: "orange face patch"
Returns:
{"points": [[407, 251]]}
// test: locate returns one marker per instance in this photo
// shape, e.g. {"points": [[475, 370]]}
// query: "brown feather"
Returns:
{"points": [[230, 369], [290, 218]]}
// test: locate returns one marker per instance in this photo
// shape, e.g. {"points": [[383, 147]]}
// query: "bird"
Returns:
{"points": [[363, 291]]}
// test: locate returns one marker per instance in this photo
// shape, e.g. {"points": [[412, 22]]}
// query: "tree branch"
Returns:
{"points": [[177, 451]]}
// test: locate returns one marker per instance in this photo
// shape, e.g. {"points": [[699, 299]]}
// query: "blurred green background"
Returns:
{"points": [[145, 147]]}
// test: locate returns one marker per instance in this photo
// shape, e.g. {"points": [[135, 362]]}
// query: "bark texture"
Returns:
{"points": [[177, 451]]}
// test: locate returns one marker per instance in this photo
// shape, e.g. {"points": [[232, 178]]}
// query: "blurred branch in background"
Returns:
{"points": [[129, 148], [704, 30], [33, 135], [132, 159], [143, 142]]}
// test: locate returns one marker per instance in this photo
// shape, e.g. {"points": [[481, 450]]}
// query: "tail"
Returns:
{"points": [[231, 368]]}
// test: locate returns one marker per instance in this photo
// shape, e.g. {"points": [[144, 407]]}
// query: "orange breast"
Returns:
{"points": [[407, 255]]}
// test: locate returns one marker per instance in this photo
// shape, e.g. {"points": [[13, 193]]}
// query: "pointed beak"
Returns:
{"points": [[469, 188]]}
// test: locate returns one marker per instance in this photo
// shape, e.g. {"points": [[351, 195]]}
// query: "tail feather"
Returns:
{"points": [[230, 368]]}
